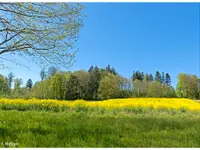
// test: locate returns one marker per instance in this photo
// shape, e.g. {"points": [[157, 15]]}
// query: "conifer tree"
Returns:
{"points": [[91, 69], [29, 84], [94, 81], [146, 78], [167, 79], [73, 88], [10, 80], [150, 77], [163, 78], [158, 77]]}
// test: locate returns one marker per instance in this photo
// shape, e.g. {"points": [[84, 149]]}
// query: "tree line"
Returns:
{"points": [[99, 84]]}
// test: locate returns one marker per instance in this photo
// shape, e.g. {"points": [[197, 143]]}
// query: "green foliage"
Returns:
{"points": [[125, 93], [158, 77], [163, 80], [95, 77], [99, 83], [125, 87], [43, 32], [41, 89], [146, 77], [91, 69], [29, 84], [187, 86], [170, 92], [52, 71], [73, 89], [140, 88], [152, 89], [167, 79], [52, 87], [109, 87], [10, 79], [4, 86], [84, 78], [43, 74], [151, 77], [137, 76], [57, 86], [111, 70], [17, 91], [156, 89]]}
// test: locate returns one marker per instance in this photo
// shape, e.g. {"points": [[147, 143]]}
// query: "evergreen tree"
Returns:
{"points": [[113, 71], [91, 69], [137, 75], [52, 71], [29, 84], [142, 76], [94, 81], [42, 74], [150, 77], [134, 77], [147, 78], [158, 77], [10, 79], [108, 69], [163, 78], [84, 78], [73, 88], [167, 79]]}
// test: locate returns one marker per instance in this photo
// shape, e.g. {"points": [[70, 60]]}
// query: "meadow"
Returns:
{"points": [[136, 122]]}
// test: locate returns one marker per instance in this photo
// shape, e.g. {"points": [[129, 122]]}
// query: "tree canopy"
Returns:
{"points": [[44, 32], [99, 84]]}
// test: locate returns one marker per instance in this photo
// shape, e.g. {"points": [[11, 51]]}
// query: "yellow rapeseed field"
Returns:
{"points": [[168, 103]]}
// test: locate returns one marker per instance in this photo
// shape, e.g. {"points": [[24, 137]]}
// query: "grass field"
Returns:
{"points": [[31, 124]]}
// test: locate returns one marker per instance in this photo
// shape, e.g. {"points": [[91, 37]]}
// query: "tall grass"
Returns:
{"points": [[99, 128]]}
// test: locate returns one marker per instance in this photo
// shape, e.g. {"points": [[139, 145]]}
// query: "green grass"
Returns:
{"points": [[99, 128]]}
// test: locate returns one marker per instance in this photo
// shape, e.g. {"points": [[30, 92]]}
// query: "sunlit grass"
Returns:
{"points": [[99, 129]]}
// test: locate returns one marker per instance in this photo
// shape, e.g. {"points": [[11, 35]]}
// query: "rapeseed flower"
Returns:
{"points": [[155, 103]]}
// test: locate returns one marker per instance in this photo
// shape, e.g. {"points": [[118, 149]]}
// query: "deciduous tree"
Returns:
{"points": [[187, 86], [44, 32], [109, 87]]}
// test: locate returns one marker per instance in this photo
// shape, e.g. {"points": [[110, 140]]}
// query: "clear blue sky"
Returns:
{"points": [[135, 36]]}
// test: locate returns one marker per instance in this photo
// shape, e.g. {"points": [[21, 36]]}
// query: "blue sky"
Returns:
{"points": [[135, 36]]}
